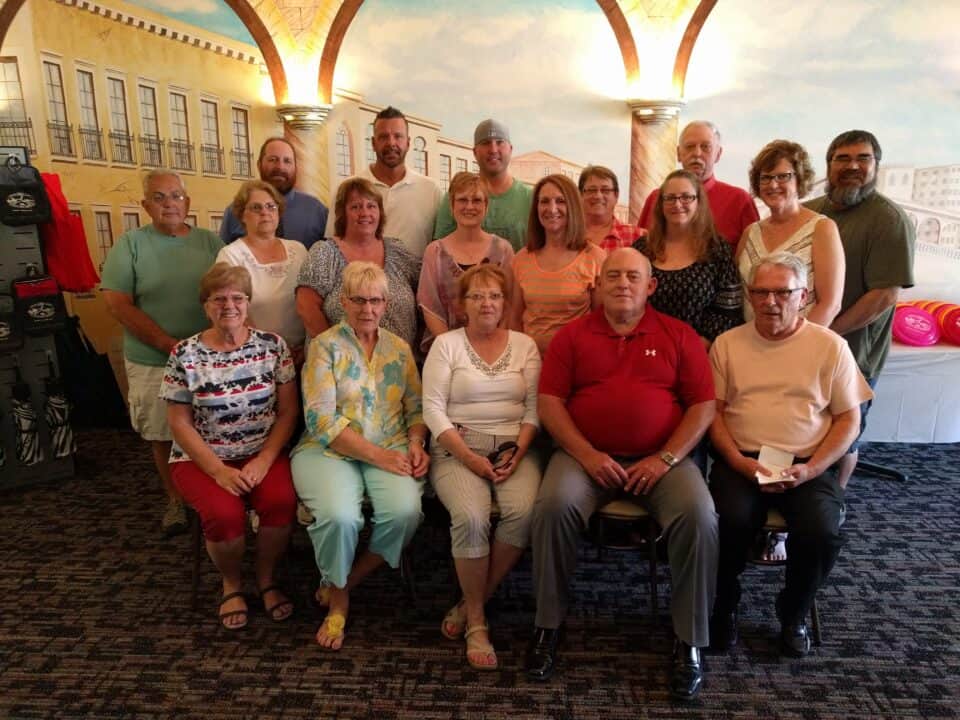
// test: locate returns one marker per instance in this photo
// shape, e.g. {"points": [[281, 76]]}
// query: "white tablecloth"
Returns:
{"points": [[917, 396]]}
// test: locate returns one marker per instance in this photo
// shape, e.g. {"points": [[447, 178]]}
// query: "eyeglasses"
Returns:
{"points": [[480, 297], [260, 207], [863, 159], [781, 178], [373, 302], [605, 191], [682, 198], [221, 300], [502, 456], [781, 294], [176, 196]]}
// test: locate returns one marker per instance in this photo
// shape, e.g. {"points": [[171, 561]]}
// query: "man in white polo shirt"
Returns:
{"points": [[410, 199]]}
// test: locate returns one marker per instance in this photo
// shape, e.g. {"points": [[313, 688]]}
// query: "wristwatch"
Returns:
{"points": [[669, 458]]}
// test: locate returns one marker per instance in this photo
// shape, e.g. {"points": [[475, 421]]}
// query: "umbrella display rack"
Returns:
{"points": [[26, 377]]}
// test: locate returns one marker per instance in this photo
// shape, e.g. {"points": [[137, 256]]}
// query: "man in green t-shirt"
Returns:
{"points": [[878, 239], [509, 209], [150, 284]]}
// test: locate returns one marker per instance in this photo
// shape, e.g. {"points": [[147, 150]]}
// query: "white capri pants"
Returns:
{"points": [[468, 498]]}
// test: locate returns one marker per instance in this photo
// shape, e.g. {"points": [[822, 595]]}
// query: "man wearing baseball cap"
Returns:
{"points": [[510, 198]]}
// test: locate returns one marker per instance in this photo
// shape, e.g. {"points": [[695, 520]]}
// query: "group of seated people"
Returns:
{"points": [[553, 380]]}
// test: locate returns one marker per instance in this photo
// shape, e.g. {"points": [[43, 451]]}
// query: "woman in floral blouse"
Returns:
{"points": [[365, 436]]}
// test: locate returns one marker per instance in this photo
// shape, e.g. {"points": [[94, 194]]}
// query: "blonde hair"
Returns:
{"points": [[361, 273]]}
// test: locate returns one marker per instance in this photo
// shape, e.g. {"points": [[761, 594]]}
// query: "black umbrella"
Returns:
{"points": [[56, 412], [25, 420]]}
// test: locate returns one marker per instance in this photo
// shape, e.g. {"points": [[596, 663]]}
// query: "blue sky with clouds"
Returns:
{"points": [[552, 71]]}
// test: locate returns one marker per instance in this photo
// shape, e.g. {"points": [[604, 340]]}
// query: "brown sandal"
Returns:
{"points": [[282, 610]]}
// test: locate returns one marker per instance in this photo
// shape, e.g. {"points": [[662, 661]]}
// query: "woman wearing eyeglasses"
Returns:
{"points": [[358, 228], [365, 436], [600, 190], [556, 274], [232, 405], [480, 403], [697, 281], [780, 175], [445, 260], [273, 263]]}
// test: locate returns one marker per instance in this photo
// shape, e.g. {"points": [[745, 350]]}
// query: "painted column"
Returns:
{"points": [[653, 147], [304, 127]]}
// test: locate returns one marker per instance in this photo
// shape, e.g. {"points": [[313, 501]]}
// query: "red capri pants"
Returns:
{"points": [[223, 515]]}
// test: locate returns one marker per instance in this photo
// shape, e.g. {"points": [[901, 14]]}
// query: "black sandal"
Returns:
{"points": [[273, 609], [234, 613]]}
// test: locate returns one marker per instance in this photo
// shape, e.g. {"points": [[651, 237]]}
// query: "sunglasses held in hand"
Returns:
{"points": [[503, 455]]}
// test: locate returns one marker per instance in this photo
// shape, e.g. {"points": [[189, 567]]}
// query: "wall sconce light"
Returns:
{"points": [[303, 117], [655, 111]]}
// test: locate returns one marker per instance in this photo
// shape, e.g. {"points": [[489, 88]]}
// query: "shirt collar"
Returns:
{"points": [[709, 184], [597, 323]]}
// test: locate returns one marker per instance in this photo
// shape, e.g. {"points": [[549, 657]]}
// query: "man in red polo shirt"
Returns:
{"points": [[732, 207], [626, 392]]}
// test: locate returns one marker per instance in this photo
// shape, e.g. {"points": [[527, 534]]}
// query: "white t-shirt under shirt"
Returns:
{"points": [[273, 306], [784, 393], [459, 388]]}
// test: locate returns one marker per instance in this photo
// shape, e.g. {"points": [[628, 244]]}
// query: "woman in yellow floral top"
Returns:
{"points": [[365, 434]]}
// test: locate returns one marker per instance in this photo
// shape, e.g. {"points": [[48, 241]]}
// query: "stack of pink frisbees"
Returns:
{"points": [[926, 322]]}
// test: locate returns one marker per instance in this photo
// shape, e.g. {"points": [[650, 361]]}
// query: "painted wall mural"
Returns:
{"points": [[553, 73]]}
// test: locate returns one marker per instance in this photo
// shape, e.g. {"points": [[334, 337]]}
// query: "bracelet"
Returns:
{"points": [[417, 439]]}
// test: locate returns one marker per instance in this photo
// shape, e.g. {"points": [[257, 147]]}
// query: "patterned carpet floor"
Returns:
{"points": [[95, 620]]}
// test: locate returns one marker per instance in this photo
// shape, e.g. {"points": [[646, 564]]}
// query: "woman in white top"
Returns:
{"points": [[780, 175], [480, 403], [273, 263]]}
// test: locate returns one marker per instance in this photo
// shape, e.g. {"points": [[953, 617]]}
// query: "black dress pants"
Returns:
{"points": [[814, 513]]}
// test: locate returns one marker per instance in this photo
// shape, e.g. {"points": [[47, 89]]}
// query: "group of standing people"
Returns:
{"points": [[533, 309]]}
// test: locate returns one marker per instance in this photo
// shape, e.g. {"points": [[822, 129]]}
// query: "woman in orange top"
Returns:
{"points": [[556, 274]]}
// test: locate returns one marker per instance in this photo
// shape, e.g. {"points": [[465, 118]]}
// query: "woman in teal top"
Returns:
{"points": [[365, 435]]}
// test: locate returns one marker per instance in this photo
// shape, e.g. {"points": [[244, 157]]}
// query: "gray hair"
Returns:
{"points": [[704, 123], [784, 259], [361, 273], [158, 173]]}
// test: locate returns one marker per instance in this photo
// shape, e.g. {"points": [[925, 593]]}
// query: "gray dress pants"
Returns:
{"points": [[681, 504]]}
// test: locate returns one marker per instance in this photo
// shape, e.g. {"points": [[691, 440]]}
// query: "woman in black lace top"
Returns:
{"points": [[697, 281]]}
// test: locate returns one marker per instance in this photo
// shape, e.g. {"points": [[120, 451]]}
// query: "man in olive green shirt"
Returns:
{"points": [[150, 284], [878, 241], [510, 199]]}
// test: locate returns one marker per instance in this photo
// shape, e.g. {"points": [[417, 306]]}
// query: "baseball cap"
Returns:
{"points": [[490, 129]]}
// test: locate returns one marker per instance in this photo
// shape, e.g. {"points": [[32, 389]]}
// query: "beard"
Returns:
{"points": [[848, 196], [281, 181], [393, 159]]}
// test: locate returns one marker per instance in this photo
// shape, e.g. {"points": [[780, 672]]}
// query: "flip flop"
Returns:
{"points": [[233, 613], [280, 611], [335, 622], [476, 650], [454, 622]]}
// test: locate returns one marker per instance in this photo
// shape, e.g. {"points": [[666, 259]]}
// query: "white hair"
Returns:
{"points": [[783, 259]]}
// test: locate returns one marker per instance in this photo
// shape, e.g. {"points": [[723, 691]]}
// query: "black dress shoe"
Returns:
{"points": [[724, 631], [542, 654], [687, 676], [795, 639]]}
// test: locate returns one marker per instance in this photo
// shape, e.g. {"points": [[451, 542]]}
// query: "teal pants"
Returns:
{"points": [[333, 490]]}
